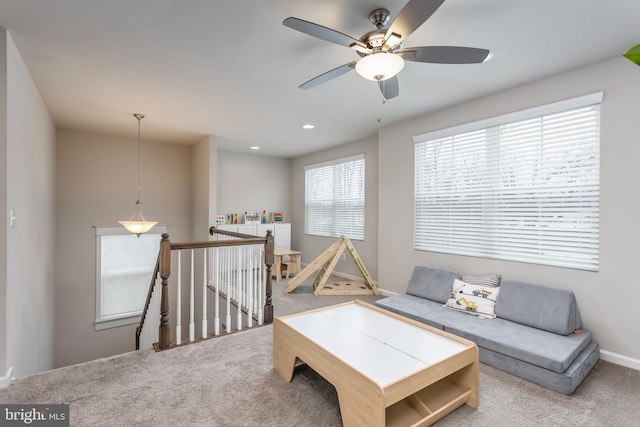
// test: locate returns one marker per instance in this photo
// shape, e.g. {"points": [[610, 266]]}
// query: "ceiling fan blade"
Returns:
{"points": [[412, 15], [331, 74], [319, 31], [445, 54], [389, 88]]}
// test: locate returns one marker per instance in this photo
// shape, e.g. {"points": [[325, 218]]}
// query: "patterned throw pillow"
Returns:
{"points": [[474, 299]]}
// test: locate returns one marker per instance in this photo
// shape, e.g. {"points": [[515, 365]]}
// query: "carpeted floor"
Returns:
{"points": [[229, 381]]}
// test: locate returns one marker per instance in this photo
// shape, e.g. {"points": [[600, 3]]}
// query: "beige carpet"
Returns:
{"points": [[230, 381]]}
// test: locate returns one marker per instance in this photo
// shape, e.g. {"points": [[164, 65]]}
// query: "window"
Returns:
{"points": [[334, 198], [124, 266], [521, 187]]}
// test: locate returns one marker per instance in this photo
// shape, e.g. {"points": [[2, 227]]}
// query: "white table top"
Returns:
{"points": [[383, 348]]}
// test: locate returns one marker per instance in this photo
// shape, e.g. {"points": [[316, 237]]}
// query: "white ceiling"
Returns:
{"points": [[231, 69]]}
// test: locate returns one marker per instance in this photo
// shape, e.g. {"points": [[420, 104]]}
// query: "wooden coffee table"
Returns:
{"points": [[387, 369]]}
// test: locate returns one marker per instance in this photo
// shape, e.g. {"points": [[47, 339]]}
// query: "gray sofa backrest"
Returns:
{"points": [[549, 309], [431, 283]]}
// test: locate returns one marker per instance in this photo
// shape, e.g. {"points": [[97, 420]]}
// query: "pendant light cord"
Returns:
{"points": [[139, 117]]}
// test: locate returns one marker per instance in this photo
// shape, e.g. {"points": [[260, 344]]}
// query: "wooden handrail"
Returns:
{"points": [[252, 240]]}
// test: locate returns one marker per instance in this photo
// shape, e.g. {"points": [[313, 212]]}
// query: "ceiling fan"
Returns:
{"points": [[382, 54]]}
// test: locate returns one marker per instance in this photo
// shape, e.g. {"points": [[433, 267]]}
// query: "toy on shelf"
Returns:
{"points": [[251, 218]]}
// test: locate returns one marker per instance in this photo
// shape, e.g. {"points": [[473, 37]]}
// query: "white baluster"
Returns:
{"points": [[227, 270], [179, 305], [228, 291], [250, 277], [240, 277], [192, 323], [204, 294], [216, 274], [261, 287], [256, 277]]}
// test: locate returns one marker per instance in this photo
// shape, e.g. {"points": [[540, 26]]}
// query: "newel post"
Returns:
{"points": [[165, 271], [268, 260]]}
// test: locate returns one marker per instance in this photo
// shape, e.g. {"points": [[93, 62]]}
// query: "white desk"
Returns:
{"points": [[388, 370]]}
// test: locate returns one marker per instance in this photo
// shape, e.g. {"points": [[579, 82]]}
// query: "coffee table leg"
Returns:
{"points": [[359, 406], [473, 380], [284, 359], [469, 377]]}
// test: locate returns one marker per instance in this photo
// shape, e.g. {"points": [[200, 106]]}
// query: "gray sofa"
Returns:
{"points": [[537, 333]]}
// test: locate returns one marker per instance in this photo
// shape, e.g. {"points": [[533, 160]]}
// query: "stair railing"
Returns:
{"points": [[234, 268]]}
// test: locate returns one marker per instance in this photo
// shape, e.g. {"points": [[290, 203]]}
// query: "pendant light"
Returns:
{"points": [[138, 224]]}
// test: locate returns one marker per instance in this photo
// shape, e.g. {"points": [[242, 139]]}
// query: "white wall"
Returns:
{"points": [[252, 183], [204, 158], [313, 246], [30, 172], [3, 201], [96, 184], [606, 298]]}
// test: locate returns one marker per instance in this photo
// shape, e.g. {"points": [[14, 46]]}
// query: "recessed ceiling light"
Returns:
{"points": [[308, 126], [255, 147]]}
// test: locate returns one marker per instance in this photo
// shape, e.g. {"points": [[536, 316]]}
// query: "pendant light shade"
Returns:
{"points": [[137, 224]]}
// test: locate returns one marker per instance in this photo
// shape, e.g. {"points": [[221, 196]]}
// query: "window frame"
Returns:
{"points": [[107, 322], [356, 232], [421, 224]]}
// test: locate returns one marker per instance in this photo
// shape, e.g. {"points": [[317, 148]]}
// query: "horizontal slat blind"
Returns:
{"points": [[527, 190], [334, 198]]}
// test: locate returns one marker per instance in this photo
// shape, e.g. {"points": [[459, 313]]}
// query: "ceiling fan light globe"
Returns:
{"points": [[380, 66]]}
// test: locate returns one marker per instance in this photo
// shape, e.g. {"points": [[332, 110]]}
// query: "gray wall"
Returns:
{"points": [[252, 183], [30, 163], [605, 298], [313, 246], [96, 185]]}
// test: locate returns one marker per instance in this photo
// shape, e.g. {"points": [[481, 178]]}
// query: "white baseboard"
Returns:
{"points": [[620, 359]]}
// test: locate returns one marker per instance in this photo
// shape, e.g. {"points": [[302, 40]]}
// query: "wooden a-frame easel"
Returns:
{"points": [[326, 262]]}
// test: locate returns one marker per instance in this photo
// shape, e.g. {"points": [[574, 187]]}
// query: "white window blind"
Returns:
{"points": [[522, 187], [334, 198]]}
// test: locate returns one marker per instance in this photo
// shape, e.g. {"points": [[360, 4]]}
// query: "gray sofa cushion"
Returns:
{"points": [[565, 382], [431, 283], [541, 307], [545, 349], [429, 312]]}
